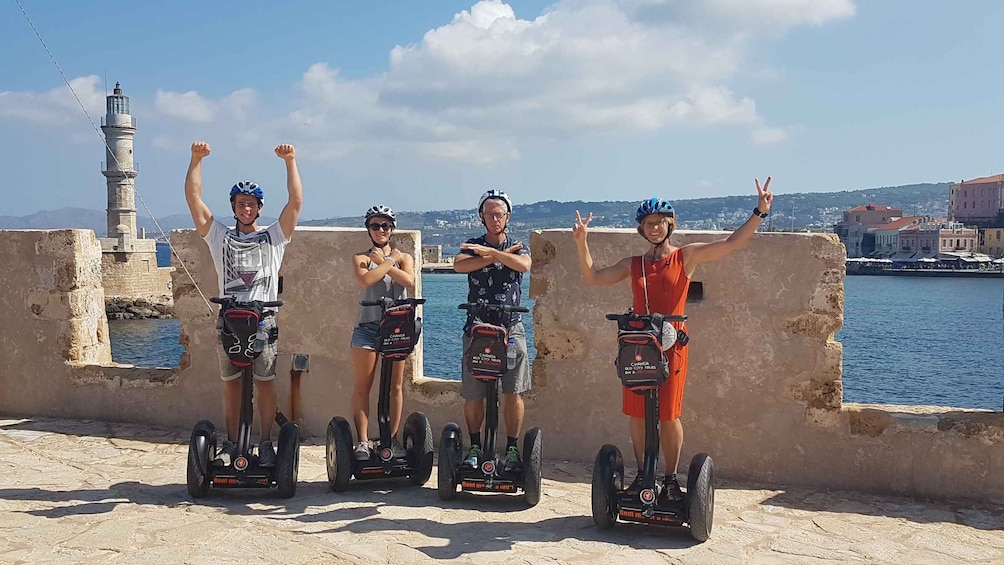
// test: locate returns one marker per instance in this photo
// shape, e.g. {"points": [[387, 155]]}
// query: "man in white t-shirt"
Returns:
{"points": [[247, 261]]}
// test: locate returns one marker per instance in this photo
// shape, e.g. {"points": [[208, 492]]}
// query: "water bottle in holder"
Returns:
{"points": [[510, 353], [260, 338]]}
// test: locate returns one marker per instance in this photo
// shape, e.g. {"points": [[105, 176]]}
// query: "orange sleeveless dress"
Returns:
{"points": [[667, 284]]}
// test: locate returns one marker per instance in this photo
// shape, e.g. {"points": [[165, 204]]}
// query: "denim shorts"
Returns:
{"points": [[365, 335]]}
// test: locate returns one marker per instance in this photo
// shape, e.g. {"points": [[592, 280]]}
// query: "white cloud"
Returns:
{"points": [[475, 89], [57, 106], [185, 105], [768, 136]]}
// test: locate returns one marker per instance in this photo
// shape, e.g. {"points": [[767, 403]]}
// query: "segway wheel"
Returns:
{"points": [[288, 459], [700, 496], [450, 446], [533, 455], [418, 445], [608, 479], [200, 446], [338, 451]]}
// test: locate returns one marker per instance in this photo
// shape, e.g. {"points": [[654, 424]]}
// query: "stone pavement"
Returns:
{"points": [[95, 492]]}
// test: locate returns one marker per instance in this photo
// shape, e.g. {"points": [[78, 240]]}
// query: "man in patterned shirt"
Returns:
{"points": [[247, 260], [495, 264]]}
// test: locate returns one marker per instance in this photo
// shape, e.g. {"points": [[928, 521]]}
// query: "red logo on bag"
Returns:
{"points": [[488, 350], [637, 357], [397, 330]]}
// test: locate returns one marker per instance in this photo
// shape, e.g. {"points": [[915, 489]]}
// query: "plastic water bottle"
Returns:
{"points": [[510, 354], [260, 338]]}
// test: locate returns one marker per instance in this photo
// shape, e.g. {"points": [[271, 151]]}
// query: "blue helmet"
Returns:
{"points": [[654, 206], [249, 188]]}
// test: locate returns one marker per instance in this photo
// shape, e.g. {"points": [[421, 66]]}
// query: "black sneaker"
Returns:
{"points": [[636, 483], [513, 462], [671, 491], [266, 454], [396, 448]]}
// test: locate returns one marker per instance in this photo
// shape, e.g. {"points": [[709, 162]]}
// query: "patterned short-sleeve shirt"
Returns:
{"points": [[495, 283]]}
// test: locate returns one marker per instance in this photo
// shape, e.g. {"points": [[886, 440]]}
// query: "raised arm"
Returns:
{"points": [[484, 256], [607, 275], [201, 215], [696, 253], [291, 212]]}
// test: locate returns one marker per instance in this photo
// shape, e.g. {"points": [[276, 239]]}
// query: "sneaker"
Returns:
{"points": [[512, 460], [362, 451], [226, 455], [473, 454], [396, 448], [671, 491], [636, 483], [266, 454]]}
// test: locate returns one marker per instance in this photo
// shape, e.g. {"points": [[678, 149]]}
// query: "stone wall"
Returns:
{"points": [[763, 396], [135, 275]]}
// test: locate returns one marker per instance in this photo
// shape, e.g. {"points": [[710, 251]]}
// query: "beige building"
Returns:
{"points": [[854, 230], [978, 201]]}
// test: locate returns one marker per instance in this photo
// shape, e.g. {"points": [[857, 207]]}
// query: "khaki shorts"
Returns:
{"points": [[264, 364], [515, 381]]}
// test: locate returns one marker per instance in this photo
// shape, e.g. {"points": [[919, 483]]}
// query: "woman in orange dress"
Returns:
{"points": [[659, 282]]}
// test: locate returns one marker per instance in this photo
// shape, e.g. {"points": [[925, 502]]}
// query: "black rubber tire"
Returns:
{"points": [[418, 445], [338, 454], [700, 496], [450, 446], [608, 479], [200, 446], [533, 456], [287, 459]]}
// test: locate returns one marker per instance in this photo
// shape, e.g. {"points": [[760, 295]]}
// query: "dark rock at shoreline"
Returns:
{"points": [[122, 308]]}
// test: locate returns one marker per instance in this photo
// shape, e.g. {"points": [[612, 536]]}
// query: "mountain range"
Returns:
{"points": [[806, 211]]}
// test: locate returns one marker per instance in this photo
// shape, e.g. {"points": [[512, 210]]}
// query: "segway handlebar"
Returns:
{"points": [[504, 308], [387, 302], [618, 317], [268, 304]]}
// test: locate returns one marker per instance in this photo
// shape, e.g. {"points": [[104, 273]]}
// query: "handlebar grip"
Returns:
{"points": [[523, 309], [371, 303], [465, 306], [217, 300], [614, 316], [272, 304]]}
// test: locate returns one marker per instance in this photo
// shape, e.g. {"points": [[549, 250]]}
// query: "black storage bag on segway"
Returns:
{"points": [[641, 363], [399, 331], [240, 324], [485, 356]]}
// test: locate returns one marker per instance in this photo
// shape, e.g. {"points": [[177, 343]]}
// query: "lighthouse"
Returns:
{"points": [[129, 268], [120, 170]]}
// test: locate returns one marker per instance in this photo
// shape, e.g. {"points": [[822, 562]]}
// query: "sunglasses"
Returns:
{"points": [[384, 226]]}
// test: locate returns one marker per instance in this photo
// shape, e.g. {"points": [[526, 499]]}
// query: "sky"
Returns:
{"points": [[425, 105]]}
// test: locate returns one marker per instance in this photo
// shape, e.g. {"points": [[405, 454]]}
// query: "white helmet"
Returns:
{"points": [[495, 194], [381, 210]]}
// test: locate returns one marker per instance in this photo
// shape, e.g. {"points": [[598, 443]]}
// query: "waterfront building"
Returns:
{"points": [[854, 230], [978, 201]]}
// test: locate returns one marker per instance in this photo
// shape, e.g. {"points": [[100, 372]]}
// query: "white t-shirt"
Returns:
{"points": [[247, 265]]}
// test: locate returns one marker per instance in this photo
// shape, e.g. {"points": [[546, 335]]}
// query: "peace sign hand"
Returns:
{"points": [[765, 195], [580, 228]]}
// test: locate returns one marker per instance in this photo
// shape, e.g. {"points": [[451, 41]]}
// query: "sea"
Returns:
{"points": [[906, 340]]}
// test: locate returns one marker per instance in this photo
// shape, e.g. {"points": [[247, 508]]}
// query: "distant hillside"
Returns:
{"points": [[83, 218], [814, 211]]}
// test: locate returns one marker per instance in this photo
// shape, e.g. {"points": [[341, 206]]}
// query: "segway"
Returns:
{"points": [[398, 335], [240, 326], [485, 358], [642, 367]]}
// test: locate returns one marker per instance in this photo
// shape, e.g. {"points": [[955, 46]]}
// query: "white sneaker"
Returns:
{"points": [[362, 451]]}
